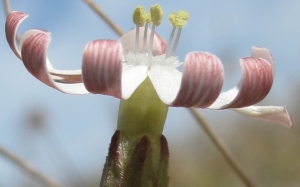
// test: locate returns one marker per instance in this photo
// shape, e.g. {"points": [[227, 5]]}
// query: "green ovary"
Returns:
{"points": [[142, 114]]}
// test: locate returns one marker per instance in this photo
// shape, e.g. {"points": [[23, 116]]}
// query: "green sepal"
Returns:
{"points": [[142, 164]]}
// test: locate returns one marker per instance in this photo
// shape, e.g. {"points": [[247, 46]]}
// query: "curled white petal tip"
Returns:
{"points": [[13, 20], [276, 114], [264, 53]]}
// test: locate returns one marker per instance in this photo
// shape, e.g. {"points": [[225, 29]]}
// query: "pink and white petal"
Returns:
{"points": [[202, 80], [166, 81], [63, 76], [29, 33], [132, 77], [277, 114], [128, 42], [256, 82], [13, 20], [258, 52], [34, 58], [102, 67]]}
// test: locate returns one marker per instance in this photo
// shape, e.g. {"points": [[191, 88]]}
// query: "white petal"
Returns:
{"points": [[132, 77], [277, 114], [166, 81]]}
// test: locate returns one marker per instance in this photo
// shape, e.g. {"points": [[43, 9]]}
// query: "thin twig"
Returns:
{"points": [[6, 7], [218, 143], [27, 168], [222, 148], [107, 20]]}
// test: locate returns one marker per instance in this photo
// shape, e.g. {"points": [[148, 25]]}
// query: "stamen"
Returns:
{"points": [[148, 21], [171, 20], [182, 18], [178, 20], [151, 40], [145, 38], [139, 19], [156, 17], [175, 43]]}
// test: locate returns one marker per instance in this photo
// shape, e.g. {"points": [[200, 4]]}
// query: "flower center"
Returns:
{"points": [[135, 59], [154, 17]]}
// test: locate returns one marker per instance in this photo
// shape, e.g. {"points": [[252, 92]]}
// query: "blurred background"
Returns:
{"points": [[66, 137]]}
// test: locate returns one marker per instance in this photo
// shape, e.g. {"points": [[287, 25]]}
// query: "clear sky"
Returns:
{"points": [[85, 124]]}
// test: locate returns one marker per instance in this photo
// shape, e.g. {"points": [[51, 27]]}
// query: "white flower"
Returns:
{"points": [[117, 68]]}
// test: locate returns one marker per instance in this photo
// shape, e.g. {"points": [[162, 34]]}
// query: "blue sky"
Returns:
{"points": [[84, 124]]}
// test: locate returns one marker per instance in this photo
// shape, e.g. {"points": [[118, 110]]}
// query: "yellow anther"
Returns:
{"points": [[139, 16], [148, 18], [172, 19], [156, 14], [179, 19]]}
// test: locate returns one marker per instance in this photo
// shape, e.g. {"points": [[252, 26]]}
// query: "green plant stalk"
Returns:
{"points": [[138, 154]]}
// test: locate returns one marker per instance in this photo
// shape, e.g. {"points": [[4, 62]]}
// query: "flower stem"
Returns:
{"points": [[222, 148], [27, 168]]}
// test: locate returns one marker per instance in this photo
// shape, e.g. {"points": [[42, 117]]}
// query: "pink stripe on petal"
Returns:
{"points": [[202, 80], [256, 82], [13, 20], [102, 67], [35, 60]]}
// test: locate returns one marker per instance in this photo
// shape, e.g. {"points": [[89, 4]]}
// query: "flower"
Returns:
{"points": [[117, 68]]}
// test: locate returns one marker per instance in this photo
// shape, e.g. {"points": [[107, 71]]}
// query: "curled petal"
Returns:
{"points": [[202, 80], [34, 58], [127, 40], [256, 82], [258, 52], [277, 114], [102, 67], [13, 20]]}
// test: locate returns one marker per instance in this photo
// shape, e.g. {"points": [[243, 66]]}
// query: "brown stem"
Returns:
{"points": [[222, 148], [27, 168], [6, 7], [107, 20]]}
